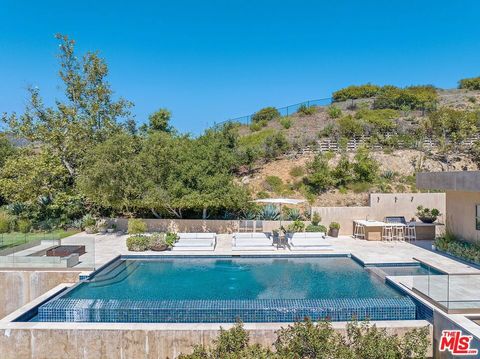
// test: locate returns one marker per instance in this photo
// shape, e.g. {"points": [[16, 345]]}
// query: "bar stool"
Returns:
{"points": [[359, 231], [399, 233], [410, 233], [387, 233]]}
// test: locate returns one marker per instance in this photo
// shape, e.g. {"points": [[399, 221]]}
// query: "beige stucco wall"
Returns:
{"points": [[135, 340], [19, 287], [460, 219], [382, 205]]}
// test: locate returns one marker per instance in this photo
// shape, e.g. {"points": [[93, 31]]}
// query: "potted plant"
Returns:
{"points": [[427, 215], [158, 242], [334, 228]]}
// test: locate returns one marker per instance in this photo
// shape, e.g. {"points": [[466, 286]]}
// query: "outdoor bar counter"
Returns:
{"points": [[373, 229]]}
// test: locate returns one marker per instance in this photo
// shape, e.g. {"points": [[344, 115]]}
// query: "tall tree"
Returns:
{"points": [[88, 114]]}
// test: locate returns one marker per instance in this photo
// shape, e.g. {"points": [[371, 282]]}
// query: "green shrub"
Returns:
{"points": [[171, 238], [275, 145], [334, 225], [296, 226], [472, 83], [265, 115], [365, 168], [465, 250], [286, 122], [319, 177], [316, 219], [136, 226], [304, 110], [274, 184], [350, 127], [257, 126], [355, 92], [309, 340], [379, 120], [327, 131], [88, 221], [455, 124], [343, 171], [316, 228], [334, 112], [297, 171], [413, 97], [6, 222], [138, 243], [24, 225]]}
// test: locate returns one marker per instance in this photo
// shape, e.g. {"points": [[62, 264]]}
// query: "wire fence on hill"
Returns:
{"points": [[284, 111]]}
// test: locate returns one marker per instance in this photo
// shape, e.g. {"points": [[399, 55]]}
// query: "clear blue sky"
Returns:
{"points": [[211, 60]]}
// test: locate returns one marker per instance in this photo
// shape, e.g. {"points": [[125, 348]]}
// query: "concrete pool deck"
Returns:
{"points": [[108, 246]]}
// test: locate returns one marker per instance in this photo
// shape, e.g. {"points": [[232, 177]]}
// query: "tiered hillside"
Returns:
{"points": [[402, 141]]}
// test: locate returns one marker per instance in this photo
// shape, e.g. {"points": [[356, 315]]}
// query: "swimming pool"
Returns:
{"points": [[222, 289]]}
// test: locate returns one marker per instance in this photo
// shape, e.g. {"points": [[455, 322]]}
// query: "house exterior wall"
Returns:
{"points": [[460, 219]]}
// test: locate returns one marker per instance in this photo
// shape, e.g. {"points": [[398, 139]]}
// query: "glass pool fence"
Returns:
{"points": [[53, 249]]}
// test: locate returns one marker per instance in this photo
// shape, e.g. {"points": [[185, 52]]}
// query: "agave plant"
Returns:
{"points": [[270, 212], [249, 215], [293, 214], [16, 208]]}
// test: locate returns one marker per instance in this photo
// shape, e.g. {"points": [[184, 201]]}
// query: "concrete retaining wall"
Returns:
{"points": [[134, 340], [18, 287], [382, 205]]}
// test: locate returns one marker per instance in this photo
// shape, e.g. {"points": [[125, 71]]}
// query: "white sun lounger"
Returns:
{"points": [[252, 242], [302, 241], [195, 242]]}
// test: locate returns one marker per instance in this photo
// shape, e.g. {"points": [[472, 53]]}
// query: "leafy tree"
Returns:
{"points": [[28, 176], [112, 176], [6, 149], [87, 116], [160, 121]]}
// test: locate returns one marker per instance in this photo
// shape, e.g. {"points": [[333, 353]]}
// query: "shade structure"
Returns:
{"points": [[280, 202]]}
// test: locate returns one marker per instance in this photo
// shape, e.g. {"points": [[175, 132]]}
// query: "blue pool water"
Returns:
{"points": [[224, 289], [235, 278]]}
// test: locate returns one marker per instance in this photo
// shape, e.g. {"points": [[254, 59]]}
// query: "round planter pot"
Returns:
{"points": [[334, 232], [159, 248], [427, 220]]}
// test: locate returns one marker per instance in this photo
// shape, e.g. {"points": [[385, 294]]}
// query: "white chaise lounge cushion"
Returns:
{"points": [[255, 239], [308, 239], [196, 240]]}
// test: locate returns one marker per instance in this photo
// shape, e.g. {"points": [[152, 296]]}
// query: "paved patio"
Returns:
{"points": [[108, 246]]}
